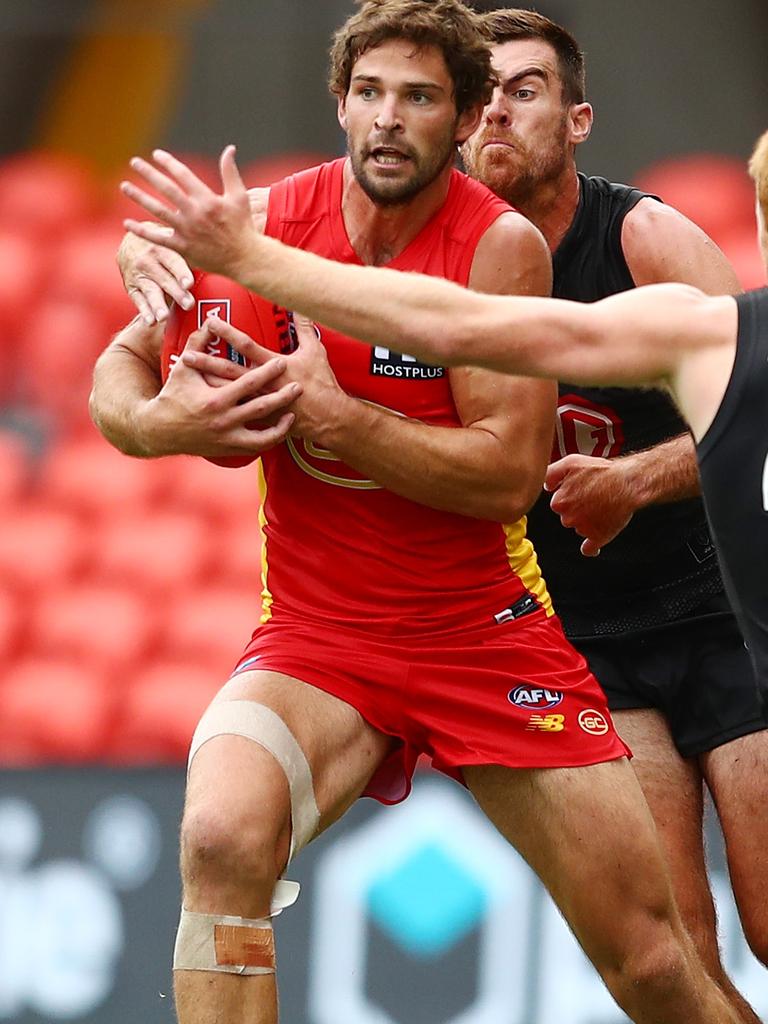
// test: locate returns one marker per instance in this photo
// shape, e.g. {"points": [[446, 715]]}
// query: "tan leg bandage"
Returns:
{"points": [[232, 945], [259, 723]]}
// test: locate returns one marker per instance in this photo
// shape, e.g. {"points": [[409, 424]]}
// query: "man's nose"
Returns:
{"points": [[498, 110], [389, 115]]}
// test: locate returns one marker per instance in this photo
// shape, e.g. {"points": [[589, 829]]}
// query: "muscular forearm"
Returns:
{"points": [[457, 469], [665, 473], [123, 386]]}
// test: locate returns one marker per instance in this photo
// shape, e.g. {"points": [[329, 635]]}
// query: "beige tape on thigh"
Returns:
{"points": [[259, 723], [232, 945]]}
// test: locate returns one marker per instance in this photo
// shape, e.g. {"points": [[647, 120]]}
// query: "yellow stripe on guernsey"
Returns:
{"points": [[524, 563], [266, 595]]}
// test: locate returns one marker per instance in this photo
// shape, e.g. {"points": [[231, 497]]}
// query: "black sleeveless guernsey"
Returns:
{"points": [[662, 566], [733, 460]]}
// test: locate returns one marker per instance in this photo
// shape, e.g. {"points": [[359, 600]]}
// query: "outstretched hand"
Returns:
{"points": [[213, 231]]}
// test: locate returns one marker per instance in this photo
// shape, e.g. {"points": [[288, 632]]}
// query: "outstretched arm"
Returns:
{"points": [[426, 317]]}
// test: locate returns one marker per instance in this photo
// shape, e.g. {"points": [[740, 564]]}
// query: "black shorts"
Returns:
{"points": [[697, 672]]}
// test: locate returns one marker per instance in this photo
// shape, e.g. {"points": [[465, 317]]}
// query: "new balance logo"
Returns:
{"points": [[546, 723]]}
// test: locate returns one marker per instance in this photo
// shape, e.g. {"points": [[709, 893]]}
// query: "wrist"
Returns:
{"points": [[635, 479], [341, 413], [149, 437]]}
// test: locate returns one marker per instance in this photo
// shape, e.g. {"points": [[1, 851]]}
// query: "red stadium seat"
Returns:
{"points": [[713, 191], [39, 545], [86, 271], [14, 469], [159, 712], [11, 619], [108, 627], [44, 195], [742, 249], [155, 551], [87, 475], [55, 355], [211, 626], [24, 265], [53, 710], [216, 491]]}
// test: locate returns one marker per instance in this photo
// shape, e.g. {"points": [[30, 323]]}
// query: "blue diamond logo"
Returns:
{"points": [[427, 903]]}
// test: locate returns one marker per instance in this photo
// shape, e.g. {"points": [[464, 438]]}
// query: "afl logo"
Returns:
{"points": [[533, 699], [593, 722]]}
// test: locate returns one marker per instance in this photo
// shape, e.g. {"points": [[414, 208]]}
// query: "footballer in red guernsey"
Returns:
{"points": [[365, 591], [399, 615]]}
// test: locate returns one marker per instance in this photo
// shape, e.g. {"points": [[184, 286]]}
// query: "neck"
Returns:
{"points": [[552, 206], [378, 234]]}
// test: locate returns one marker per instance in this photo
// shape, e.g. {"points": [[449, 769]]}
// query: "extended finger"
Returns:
{"points": [[176, 265], [254, 442], [256, 380], [153, 296], [155, 233], [139, 300], [264, 405], [150, 203], [180, 174], [240, 341], [161, 182], [214, 366]]}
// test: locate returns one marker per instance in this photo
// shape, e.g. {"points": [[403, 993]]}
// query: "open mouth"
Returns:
{"points": [[385, 156]]}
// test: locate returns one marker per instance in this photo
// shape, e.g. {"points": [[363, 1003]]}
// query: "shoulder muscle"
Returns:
{"points": [[661, 245], [512, 258]]}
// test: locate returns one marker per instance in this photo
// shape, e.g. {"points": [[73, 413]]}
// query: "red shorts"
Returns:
{"points": [[516, 694]]}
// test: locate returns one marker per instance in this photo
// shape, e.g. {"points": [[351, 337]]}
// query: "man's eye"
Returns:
{"points": [[420, 97], [524, 94], [368, 93]]}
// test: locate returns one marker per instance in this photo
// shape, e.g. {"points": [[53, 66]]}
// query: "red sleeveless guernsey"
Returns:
{"points": [[337, 548]]}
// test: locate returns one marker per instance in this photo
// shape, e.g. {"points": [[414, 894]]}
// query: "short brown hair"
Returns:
{"points": [[758, 169], [515, 23], [447, 24]]}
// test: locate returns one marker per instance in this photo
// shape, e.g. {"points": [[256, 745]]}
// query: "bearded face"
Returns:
{"points": [[514, 161]]}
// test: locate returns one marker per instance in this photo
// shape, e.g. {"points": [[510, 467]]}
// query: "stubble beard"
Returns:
{"points": [[426, 169], [517, 175]]}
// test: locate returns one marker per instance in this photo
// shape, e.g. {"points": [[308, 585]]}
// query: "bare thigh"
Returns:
{"points": [[737, 776], [241, 780], [589, 836], [673, 787]]}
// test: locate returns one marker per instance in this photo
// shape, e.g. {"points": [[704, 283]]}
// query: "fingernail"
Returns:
{"points": [[149, 320], [187, 302], [187, 282]]}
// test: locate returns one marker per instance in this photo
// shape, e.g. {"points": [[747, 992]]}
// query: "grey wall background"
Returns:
{"points": [[665, 76]]}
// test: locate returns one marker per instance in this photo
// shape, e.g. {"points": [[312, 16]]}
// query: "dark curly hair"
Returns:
{"points": [[447, 24]]}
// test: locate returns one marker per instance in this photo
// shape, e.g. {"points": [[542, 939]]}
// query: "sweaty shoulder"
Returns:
{"points": [[512, 258], [660, 244]]}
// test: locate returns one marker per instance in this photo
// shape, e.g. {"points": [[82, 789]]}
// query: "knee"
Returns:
{"points": [[236, 848], [652, 973]]}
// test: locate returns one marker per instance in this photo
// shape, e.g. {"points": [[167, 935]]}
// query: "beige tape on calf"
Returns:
{"points": [[232, 945], [259, 723]]}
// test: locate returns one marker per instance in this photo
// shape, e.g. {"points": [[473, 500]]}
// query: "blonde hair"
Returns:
{"points": [[758, 169]]}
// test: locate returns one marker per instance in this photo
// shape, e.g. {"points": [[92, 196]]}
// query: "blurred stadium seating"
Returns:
{"points": [[128, 587]]}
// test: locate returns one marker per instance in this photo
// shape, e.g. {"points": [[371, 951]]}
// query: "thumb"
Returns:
{"points": [[306, 331], [556, 473]]}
